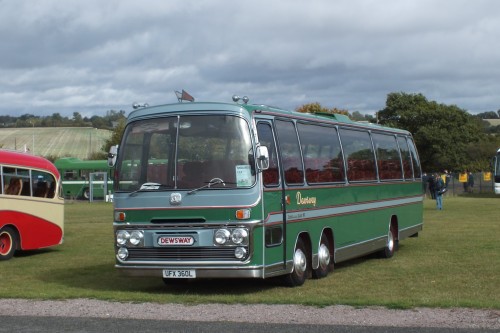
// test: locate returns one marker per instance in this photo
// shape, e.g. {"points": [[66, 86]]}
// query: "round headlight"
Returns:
{"points": [[240, 252], [122, 253], [122, 236], [136, 237], [239, 236], [222, 236]]}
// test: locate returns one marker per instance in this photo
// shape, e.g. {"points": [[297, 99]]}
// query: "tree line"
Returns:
{"points": [[108, 121]]}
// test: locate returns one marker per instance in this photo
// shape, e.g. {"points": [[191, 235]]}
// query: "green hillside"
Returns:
{"points": [[55, 141]]}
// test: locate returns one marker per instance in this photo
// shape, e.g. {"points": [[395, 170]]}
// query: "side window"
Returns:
{"points": [[359, 155], [323, 160], [265, 133], [290, 153], [405, 156], [414, 158], [43, 184], [16, 181], [388, 158]]}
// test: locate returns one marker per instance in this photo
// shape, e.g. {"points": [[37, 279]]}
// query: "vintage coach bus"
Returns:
{"points": [[31, 203], [214, 190]]}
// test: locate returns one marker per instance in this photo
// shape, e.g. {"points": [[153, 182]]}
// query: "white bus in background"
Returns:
{"points": [[496, 172]]}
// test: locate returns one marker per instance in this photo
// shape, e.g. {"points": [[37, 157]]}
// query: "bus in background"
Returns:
{"points": [[496, 172], [76, 177], [250, 191], [31, 203]]}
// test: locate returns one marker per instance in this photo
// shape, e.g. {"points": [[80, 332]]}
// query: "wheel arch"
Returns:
{"points": [[328, 232]]}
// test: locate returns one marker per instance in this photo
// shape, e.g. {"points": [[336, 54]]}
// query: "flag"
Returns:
{"points": [[184, 96]]}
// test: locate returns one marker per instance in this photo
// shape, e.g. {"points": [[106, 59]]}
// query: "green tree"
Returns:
{"points": [[116, 136], [442, 132], [317, 108]]}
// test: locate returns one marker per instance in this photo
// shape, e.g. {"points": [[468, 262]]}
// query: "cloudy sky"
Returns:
{"points": [[91, 56]]}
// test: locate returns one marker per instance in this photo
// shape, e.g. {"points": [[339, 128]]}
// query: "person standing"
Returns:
{"points": [[439, 189], [432, 190], [470, 182]]}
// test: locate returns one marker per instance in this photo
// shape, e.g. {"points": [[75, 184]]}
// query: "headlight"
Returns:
{"points": [[240, 252], [122, 253], [136, 237], [222, 236], [122, 236], [239, 236]]}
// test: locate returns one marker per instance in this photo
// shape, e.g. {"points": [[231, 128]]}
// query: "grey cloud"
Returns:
{"points": [[94, 56]]}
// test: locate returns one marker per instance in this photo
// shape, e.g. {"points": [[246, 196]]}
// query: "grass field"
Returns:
{"points": [[55, 141], [455, 262]]}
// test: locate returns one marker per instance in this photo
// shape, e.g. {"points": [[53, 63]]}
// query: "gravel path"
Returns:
{"points": [[331, 315]]}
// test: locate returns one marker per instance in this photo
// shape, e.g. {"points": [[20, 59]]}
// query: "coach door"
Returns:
{"points": [[274, 204]]}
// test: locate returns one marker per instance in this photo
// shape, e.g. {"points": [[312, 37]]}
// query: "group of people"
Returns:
{"points": [[438, 185]]}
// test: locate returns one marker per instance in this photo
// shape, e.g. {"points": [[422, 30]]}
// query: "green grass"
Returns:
{"points": [[455, 262], [55, 141]]}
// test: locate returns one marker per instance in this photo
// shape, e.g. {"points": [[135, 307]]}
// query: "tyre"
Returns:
{"points": [[391, 243], [325, 260], [8, 243], [300, 266]]}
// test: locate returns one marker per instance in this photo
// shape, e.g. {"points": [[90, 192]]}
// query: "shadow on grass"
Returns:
{"points": [[106, 279], [31, 253]]}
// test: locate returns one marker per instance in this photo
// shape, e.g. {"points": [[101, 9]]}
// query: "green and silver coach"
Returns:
{"points": [[233, 190]]}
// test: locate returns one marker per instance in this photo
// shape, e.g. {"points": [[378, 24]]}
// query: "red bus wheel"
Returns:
{"points": [[8, 243]]}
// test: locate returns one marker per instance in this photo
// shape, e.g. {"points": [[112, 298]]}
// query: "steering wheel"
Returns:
{"points": [[216, 181]]}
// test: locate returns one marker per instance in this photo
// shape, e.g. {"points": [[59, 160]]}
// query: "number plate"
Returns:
{"points": [[175, 241], [179, 273]]}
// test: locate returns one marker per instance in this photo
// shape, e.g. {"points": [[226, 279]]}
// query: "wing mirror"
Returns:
{"points": [[113, 152], [262, 158]]}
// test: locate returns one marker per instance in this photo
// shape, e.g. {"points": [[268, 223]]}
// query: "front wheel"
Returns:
{"points": [[8, 243], [300, 266]]}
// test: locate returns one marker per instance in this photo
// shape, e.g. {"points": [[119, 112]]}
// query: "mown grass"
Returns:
{"points": [[455, 262]]}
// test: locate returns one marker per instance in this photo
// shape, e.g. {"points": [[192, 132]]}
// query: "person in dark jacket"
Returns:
{"points": [[439, 189], [432, 181], [470, 182]]}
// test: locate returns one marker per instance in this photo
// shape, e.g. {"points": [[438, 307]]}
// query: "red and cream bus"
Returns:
{"points": [[31, 203], [230, 190]]}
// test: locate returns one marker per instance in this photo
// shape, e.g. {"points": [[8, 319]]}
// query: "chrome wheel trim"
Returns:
{"points": [[299, 261], [390, 241], [324, 256]]}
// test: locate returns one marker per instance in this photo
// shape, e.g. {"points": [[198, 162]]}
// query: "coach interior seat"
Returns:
{"points": [[15, 186]]}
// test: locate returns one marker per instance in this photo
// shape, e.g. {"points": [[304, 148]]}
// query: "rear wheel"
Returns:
{"points": [[8, 243], [391, 243], [324, 257], [300, 266]]}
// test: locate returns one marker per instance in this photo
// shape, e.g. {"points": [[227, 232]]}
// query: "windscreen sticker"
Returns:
{"points": [[243, 175]]}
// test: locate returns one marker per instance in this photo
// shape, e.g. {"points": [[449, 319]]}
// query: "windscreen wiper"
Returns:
{"points": [[212, 182]]}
